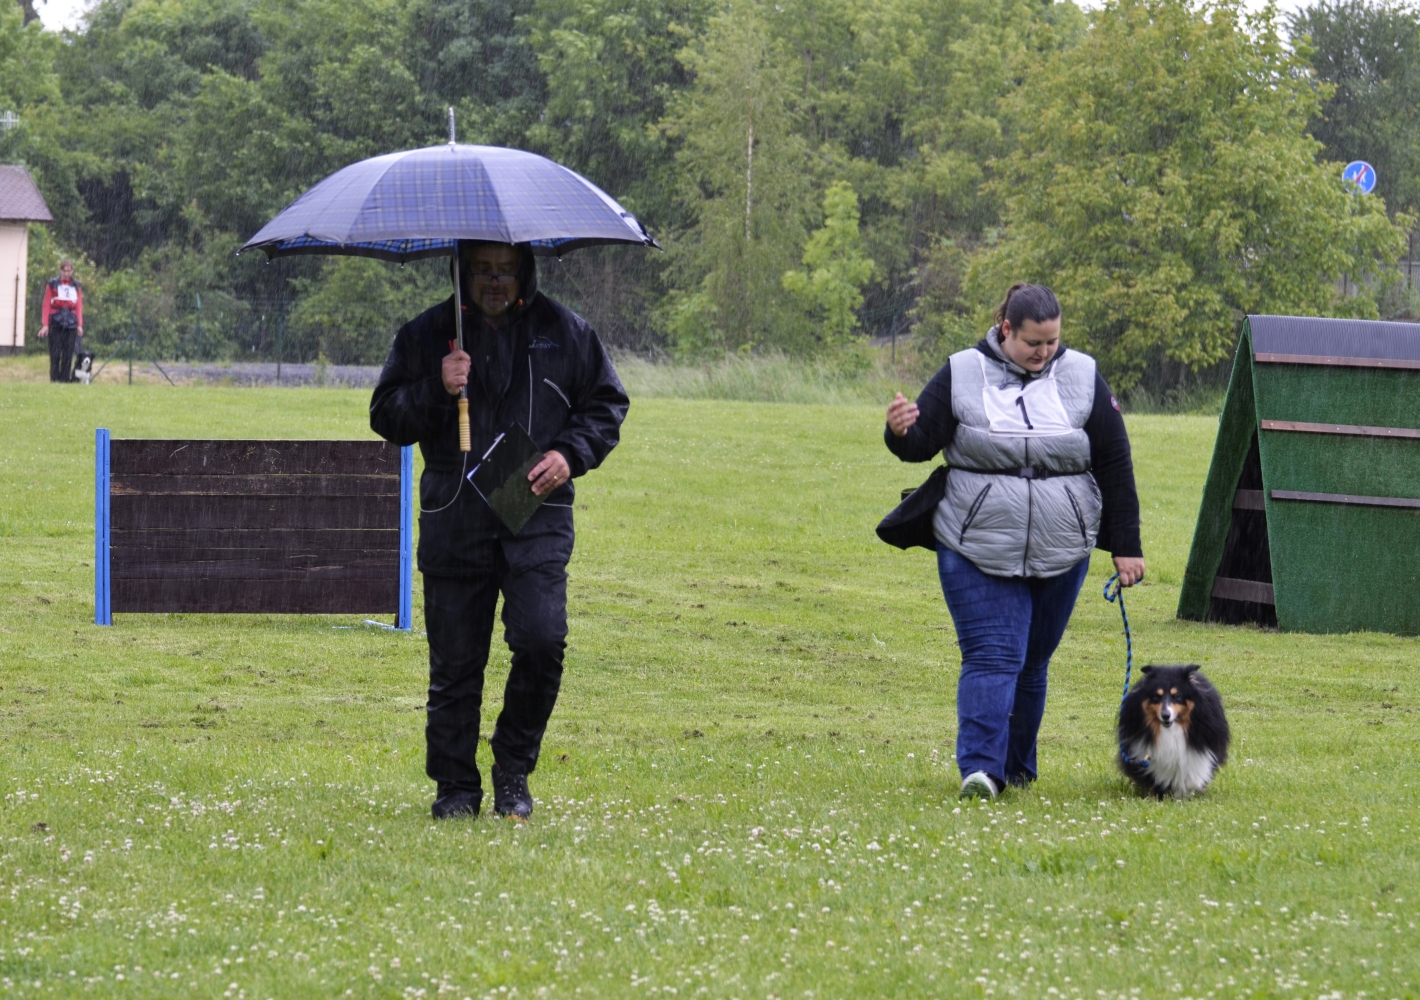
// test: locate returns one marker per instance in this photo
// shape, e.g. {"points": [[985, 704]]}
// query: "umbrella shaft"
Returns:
{"points": [[465, 436]]}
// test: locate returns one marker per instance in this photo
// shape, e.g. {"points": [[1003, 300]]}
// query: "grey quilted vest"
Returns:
{"points": [[1020, 498]]}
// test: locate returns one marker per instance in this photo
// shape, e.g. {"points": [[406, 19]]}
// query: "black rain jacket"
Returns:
{"points": [[565, 393]]}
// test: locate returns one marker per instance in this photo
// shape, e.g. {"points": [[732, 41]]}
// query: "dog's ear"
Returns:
{"points": [[1191, 669], [1146, 670]]}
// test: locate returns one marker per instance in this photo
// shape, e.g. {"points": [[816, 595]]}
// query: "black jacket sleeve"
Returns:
{"points": [[936, 425], [1113, 469], [410, 404], [598, 406]]}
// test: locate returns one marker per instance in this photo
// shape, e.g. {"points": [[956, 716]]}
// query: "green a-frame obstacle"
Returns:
{"points": [[1310, 519]]}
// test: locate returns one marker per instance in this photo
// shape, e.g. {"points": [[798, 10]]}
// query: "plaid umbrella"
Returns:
{"points": [[418, 203], [421, 202]]}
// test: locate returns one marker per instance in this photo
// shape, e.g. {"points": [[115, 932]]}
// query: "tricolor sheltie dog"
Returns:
{"points": [[1172, 732]]}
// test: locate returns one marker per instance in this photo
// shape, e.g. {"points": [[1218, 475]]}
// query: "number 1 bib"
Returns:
{"points": [[1032, 409]]}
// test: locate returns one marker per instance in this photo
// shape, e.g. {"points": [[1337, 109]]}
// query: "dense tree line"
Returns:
{"points": [[819, 171]]}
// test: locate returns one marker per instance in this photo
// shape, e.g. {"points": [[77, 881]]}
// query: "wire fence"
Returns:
{"points": [[213, 328]]}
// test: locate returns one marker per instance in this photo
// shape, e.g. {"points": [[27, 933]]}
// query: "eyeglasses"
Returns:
{"points": [[493, 277]]}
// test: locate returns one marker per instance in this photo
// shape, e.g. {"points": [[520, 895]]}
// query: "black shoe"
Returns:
{"points": [[458, 803], [510, 794]]}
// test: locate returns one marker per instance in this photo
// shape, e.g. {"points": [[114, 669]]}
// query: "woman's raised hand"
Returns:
{"points": [[901, 415]]}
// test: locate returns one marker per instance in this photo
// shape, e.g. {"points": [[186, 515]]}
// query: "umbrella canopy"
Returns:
{"points": [[418, 203]]}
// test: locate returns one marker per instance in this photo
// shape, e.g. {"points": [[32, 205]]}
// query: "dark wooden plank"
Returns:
{"points": [[1271, 357], [332, 486], [201, 512], [1354, 430], [173, 552], [1248, 500], [243, 539], [259, 564], [1346, 498], [257, 597], [1246, 552], [151, 456], [1251, 591]]}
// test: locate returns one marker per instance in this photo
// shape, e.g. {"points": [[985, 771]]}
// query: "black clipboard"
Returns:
{"points": [[501, 477]]}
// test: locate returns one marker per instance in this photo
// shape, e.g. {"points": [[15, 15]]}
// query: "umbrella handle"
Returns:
{"points": [[465, 439]]}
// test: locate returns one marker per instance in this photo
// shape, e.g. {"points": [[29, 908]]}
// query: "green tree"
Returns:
{"points": [[745, 181], [29, 85], [350, 313], [180, 126], [476, 55], [904, 98], [611, 69], [831, 289], [1370, 54], [1165, 185], [184, 125], [26, 61], [238, 158], [611, 66]]}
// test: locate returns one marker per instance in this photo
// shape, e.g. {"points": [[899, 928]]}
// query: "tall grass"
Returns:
{"points": [[855, 379], [1197, 400], [870, 377]]}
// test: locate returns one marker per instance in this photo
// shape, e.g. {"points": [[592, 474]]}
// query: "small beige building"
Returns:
{"points": [[20, 204]]}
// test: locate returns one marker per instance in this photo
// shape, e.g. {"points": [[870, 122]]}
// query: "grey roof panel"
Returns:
{"points": [[20, 200], [1316, 337]]}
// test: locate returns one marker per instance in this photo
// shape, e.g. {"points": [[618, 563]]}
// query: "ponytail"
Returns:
{"points": [[1027, 302]]}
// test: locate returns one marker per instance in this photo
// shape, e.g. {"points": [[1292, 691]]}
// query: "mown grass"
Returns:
{"points": [[747, 788]]}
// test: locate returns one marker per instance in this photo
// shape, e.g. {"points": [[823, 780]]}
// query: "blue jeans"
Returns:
{"points": [[1007, 629]]}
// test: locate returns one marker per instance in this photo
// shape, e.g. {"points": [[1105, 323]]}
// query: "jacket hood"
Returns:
{"points": [[527, 279], [990, 345]]}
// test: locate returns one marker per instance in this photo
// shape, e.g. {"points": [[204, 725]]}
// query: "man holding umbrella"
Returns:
{"points": [[531, 360], [458, 378]]}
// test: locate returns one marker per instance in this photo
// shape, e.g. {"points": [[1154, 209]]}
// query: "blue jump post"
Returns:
{"points": [[103, 613], [406, 539]]}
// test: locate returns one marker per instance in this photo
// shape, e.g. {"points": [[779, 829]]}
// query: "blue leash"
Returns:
{"points": [[1118, 595]]}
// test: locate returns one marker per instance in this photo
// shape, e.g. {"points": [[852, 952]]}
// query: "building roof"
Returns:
{"points": [[20, 200], [1343, 342]]}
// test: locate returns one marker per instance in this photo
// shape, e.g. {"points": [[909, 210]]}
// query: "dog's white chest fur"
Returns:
{"points": [[1175, 767]]}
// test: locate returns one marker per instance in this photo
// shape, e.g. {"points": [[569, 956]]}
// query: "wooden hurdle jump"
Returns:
{"points": [[253, 527]]}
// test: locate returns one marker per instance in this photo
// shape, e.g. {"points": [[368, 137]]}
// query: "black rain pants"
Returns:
{"points": [[61, 353], [458, 614]]}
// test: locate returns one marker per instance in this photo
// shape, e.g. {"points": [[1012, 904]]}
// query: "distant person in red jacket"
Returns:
{"points": [[63, 315]]}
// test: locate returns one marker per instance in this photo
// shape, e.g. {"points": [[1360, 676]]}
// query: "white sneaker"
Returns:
{"points": [[978, 785]]}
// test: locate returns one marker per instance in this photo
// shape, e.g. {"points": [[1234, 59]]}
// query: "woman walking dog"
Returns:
{"points": [[1040, 474]]}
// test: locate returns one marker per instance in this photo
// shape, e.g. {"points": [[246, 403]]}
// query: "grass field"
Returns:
{"points": [[747, 789]]}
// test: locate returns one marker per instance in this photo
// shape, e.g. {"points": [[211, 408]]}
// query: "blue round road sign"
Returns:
{"points": [[1361, 174]]}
